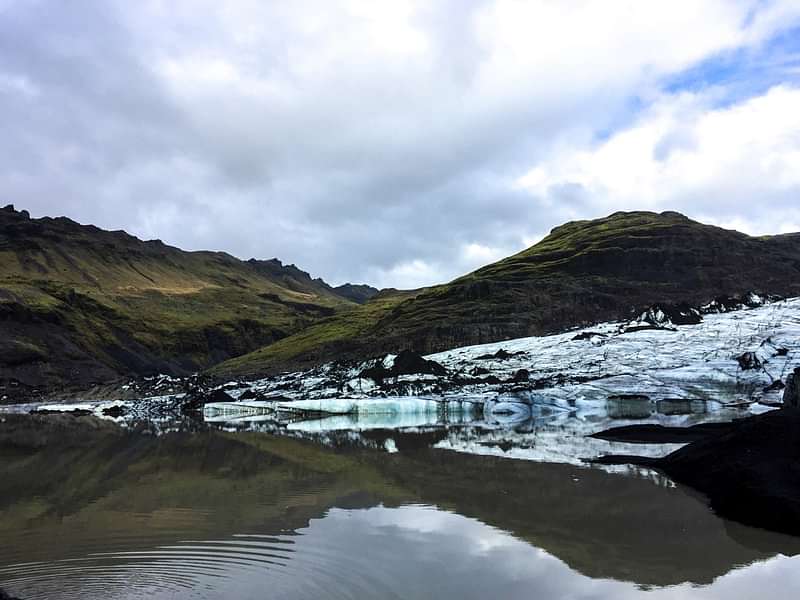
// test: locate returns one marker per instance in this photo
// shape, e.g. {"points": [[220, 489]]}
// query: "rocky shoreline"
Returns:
{"points": [[748, 469]]}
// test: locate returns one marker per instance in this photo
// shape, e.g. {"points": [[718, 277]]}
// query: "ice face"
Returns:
{"points": [[577, 383], [690, 362]]}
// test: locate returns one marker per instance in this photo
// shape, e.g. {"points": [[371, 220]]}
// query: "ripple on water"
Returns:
{"points": [[414, 551], [163, 571], [192, 569]]}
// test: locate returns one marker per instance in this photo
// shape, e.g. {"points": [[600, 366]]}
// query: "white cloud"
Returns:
{"points": [[380, 141], [738, 166]]}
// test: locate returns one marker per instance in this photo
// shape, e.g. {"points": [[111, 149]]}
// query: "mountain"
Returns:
{"points": [[358, 293], [295, 279], [582, 273], [79, 304]]}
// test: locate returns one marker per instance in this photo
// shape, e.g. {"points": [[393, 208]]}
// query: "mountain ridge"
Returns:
{"points": [[81, 304], [582, 273]]}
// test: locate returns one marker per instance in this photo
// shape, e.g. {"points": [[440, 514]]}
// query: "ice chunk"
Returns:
{"points": [[343, 406]]}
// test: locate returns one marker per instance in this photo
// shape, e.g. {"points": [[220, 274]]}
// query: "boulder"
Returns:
{"points": [[748, 361], [522, 376], [750, 473], [499, 355], [791, 393], [587, 335], [667, 315], [409, 362], [220, 396]]}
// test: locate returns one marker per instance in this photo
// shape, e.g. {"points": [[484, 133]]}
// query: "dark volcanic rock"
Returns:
{"points": [[663, 315], [521, 376], [499, 355], [625, 459], [220, 396], [791, 395], [659, 434], [722, 304], [748, 361], [750, 473], [407, 362], [587, 335]]}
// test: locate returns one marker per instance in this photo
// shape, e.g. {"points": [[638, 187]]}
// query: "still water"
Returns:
{"points": [[250, 515]]}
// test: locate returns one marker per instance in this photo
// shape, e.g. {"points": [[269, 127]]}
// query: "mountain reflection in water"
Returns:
{"points": [[249, 515]]}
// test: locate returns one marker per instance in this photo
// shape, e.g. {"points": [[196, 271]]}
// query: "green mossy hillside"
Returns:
{"points": [[79, 304], [582, 273]]}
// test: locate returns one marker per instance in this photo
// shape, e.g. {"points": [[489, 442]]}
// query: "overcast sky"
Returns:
{"points": [[397, 143]]}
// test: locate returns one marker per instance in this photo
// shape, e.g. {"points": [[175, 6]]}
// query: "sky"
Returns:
{"points": [[397, 143]]}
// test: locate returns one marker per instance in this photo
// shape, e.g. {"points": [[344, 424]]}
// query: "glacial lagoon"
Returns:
{"points": [[226, 509], [477, 491]]}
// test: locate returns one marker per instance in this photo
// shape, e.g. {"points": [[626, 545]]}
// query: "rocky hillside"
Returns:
{"points": [[583, 272], [81, 305], [298, 280]]}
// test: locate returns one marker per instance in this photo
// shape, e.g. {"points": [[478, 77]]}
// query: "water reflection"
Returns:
{"points": [[534, 432], [248, 515]]}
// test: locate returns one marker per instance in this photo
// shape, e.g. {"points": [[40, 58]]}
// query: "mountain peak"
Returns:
{"points": [[623, 220]]}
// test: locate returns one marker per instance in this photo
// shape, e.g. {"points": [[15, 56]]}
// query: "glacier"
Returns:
{"points": [[576, 383], [534, 398]]}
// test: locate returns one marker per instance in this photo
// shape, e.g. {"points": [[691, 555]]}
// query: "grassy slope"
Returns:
{"points": [[583, 272], [332, 337], [88, 298]]}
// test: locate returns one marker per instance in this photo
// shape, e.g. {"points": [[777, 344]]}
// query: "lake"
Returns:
{"points": [[212, 513]]}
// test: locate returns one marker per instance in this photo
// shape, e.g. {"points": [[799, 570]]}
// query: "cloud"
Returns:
{"points": [[380, 141], [737, 166]]}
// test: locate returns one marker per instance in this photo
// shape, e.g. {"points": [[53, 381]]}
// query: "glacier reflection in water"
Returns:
{"points": [[523, 426], [242, 514]]}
